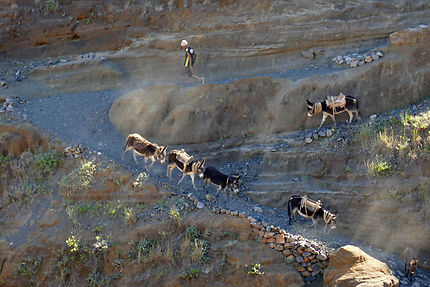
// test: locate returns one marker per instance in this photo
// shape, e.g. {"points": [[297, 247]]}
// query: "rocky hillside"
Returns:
{"points": [[88, 73]]}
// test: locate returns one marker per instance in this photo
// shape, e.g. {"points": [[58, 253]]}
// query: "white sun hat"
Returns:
{"points": [[184, 43]]}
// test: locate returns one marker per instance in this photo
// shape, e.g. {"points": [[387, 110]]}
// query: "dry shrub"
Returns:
{"points": [[198, 251], [185, 247], [161, 255], [79, 178]]}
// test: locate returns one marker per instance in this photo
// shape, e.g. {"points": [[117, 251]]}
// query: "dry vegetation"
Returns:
{"points": [[396, 143], [93, 247], [397, 146]]}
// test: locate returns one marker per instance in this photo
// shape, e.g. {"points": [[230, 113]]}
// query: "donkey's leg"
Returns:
{"points": [[217, 192], [314, 222], [192, 180], [325, 227], [134, 156], [293, 214], [153, 161], [169, 170], [351, 116], [182, 178], [323, 119]]}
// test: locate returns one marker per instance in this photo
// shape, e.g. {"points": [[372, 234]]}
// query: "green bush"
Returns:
{"points": [[143, 248], [190, 274], [193, 233], [382, 168], [4, 161], [29, 266], [254, 270], [48, 162]]}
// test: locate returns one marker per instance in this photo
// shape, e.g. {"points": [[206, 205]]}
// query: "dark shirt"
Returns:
{"points": [[187, 61]]}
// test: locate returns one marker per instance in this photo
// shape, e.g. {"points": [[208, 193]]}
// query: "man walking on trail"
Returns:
{"points": [[190, 58]]}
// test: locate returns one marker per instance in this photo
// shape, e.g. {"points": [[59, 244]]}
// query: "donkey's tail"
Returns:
{"points": [[289, 210]]}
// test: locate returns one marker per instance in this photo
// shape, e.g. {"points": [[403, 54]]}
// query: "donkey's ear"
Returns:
{"points": [[309, 102], [164, 148], [203, 161]]}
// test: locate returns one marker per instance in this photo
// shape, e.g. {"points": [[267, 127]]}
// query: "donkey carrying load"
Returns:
{"points": [[186, 164], [333, 106], [310, 209]]}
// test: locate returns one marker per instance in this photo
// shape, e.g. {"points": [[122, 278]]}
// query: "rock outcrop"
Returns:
{"points": [[350, 266], [411, 36]]}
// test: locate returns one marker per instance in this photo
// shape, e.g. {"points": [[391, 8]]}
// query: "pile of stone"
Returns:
{"points": [[92, 56], [355, 60], [89, 56], [229, 212], [311, 257], [324, 133], [75, 151], [6, 105]]}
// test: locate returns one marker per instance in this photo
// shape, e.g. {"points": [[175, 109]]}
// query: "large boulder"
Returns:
{"points": [[350, 266]]}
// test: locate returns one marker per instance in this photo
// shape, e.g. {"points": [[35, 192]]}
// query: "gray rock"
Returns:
{"points": [[373, 117], [309, 54], [374, 56], [329, 133], [321, 257], [308, 140], [338, 60], [210, 198], [251, 219], [258, 209], [322, 133], [348, 60], [354, 64], [379, 53], [300, 259], [368, 59], [200, 205]]}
